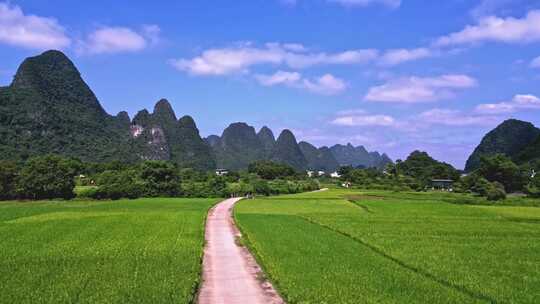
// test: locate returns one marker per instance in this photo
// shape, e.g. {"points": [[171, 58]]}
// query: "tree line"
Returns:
{"points": [[495, 176], [53, 176]]}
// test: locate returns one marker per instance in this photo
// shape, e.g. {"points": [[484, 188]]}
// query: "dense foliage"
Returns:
{"points": [[46, 177], [55, 177], [271, 170], [423, 168], [8, 175]]}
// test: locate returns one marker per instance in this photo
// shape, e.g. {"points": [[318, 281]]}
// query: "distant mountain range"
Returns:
{"points": [[49, 108], [519, 140]]}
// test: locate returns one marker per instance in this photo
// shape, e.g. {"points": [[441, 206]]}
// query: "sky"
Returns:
{"points": [[392, 75]]}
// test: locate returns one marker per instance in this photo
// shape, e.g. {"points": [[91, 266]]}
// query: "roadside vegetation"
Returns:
{"points": [[138, 251], [343, 246]]}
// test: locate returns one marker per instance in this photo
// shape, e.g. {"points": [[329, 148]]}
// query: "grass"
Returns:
{"points": [[381, 247], [140, 251]]}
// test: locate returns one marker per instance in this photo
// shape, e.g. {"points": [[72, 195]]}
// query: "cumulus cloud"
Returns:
{"points": [[325, 85], [495, 29], [280, 77], [363, 120], [388, 3], [242, 57], [224, 61], [518, 102], [109, 40], [455, 118], [30, 31], [397, 56], [419, 89]]}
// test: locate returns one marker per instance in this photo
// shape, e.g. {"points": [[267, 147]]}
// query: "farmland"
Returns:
{"points": [[143, 251], [381, 247]]}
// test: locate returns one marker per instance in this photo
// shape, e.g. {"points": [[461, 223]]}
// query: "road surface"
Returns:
{"points": [[230, 273]]}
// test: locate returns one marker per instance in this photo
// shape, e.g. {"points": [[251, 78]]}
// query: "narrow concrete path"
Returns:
{"points": [[230, 273]]}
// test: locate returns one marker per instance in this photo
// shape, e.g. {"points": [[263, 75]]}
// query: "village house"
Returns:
{"points": [[442, 184], [221, 172]]}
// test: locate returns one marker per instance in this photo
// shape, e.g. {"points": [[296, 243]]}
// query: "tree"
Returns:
{"points": [[217, 186], [8, 174], [46, 177], [270, 170], [117, 184], [499, 168], [159, 178], [533, 188], [424, 168]]}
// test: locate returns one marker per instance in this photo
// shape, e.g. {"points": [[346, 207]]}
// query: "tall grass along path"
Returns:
{"points": [[230, 273]]}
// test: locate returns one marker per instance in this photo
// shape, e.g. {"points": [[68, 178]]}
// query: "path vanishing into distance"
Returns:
{"points": [[230, 273]]}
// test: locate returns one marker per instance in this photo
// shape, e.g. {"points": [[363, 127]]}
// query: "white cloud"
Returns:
{"points": [[495, 108], [492, 28], [535, 63], [280, 77], [30, 31], [242, 57], [518, 102], [418, 89], [455, 118], [389, 3], [109, 40], [348, 57], [364, 120], [224, 61], [228, 60], [397, 56], [324, 85], [527, 101]]}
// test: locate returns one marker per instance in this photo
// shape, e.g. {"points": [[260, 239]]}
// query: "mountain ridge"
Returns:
{"points": [[49, 108]]}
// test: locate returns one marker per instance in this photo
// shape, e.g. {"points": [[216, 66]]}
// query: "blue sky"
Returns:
{"points": [[391, 75]]}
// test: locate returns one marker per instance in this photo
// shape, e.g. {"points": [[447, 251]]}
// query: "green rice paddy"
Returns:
{"points": [[141, 251], [340, 247]]}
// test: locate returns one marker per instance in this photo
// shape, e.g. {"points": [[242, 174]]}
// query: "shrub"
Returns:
{"points": [[496, 192], [481, 186], [86, 191], [118, 184]]}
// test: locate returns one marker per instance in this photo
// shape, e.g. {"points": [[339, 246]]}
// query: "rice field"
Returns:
{"points": [[344, 247], [140, 251]]}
